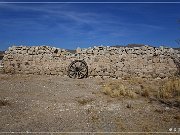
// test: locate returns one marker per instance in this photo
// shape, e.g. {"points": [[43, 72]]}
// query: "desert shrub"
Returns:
{"points": [[137, 80], [116, 89], [4, 102], [84, 101], [169, 89], [145, 92]]}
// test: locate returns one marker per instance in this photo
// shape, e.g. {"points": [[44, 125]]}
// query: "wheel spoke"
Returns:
{"points": [[81, 64], [72, 74], [78, 69], [83, 70], [71, 69], [81, 73], [79, 76], [73, 65], [76, 74], [83, 67]]}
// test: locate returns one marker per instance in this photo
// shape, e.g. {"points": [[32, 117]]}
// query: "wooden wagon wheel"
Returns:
{"points": [[78, 69]]}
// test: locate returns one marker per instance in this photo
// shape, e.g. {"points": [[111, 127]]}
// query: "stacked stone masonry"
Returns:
{"points": [[102, 61]]}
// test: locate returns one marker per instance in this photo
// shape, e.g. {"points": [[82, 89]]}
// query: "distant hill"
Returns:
{"points": [[137, 45], [130, 45], [71, 51], [1, 54], [177, 49]]}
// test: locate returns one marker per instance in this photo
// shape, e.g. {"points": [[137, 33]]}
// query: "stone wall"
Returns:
{"points": [[113, 62]]}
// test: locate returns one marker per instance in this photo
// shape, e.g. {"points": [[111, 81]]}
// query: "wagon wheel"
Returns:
{"points": [[78, 69]]}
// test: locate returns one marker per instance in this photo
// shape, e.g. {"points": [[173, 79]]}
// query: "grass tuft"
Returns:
{"points": [[4, 103], [117, 89], [167, 91], [84, 101], [170, 89]]}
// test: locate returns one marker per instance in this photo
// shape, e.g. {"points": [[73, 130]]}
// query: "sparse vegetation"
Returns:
{"points": [[145, 90], [119, 123], [160, 111], [84, 101], [177, 117], [67, 105], [170, 89], [145, 93], [117, 89], [129, 105], [164, 90], [94, 115], [4, 102]]}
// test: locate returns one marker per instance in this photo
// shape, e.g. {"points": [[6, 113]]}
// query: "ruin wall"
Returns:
{"points": [[102, 61]]}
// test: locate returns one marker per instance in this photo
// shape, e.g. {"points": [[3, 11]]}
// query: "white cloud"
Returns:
{"points": [[70, 20]]}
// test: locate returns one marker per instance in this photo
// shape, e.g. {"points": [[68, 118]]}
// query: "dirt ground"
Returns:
{"points": [[34, 103]]}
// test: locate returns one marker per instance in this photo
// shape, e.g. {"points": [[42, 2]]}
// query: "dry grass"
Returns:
{"points": [[117, 89], [120, 124], [4, 102], [177, 117], [93, 115], [160, 111], [145, 91], [170, 89], [81, 85], [84, 101], [164, 90], [161, 89], [4, 78], [129, 105], [137, 80]]}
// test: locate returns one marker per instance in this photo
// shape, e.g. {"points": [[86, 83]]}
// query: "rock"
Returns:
{"points": [[102, 61], [78, 50]]}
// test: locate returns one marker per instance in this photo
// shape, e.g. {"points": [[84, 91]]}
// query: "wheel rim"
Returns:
{"points": [[78, 69]]}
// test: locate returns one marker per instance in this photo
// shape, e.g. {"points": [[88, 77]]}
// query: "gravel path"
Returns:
{"points": [[32, 103]]}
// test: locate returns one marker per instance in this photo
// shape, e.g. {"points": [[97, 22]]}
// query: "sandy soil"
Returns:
{"points": [[30, 103]]}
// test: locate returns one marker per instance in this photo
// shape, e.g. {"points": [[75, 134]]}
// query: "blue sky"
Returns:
{"points": [[84, 25]]}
